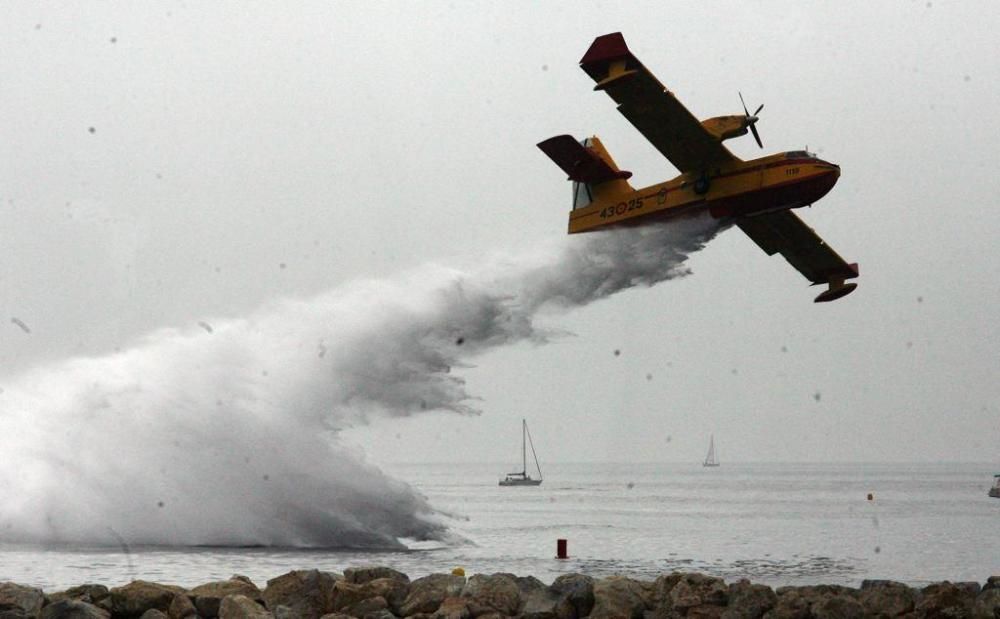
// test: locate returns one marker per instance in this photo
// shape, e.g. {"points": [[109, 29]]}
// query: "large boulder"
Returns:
{"points": [[886, 598], [617, 597], [576, 595], [182, 607], [361, 575], [454, 608], [427, 593], [208, 597], [28, 600], [238, 606], [993, 582], [91, 594], [837, 606], [987, 604], [73, 609], [304, 593], [135, 598], [749, 601], [691, 592], [345, 594], [498, 592], [945, 599]]}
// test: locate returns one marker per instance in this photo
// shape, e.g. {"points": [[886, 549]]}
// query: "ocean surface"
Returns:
{"points": [[778, 524]]}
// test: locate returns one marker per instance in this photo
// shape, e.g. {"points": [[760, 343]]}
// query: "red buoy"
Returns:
{"points": [[561, 549]]}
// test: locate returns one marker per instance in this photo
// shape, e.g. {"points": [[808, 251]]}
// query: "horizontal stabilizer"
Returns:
{"points": [[580, 163]]}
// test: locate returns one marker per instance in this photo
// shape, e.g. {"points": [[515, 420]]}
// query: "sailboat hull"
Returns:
{"points": [[520, 482]]}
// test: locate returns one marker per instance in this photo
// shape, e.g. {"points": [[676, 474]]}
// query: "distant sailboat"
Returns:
{"points": [[710, 458], [522, 478]]}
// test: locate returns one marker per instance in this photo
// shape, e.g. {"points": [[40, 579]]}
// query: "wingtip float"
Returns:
{"points": [[758, 194]]}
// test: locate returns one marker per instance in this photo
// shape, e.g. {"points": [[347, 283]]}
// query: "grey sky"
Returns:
{"points": [[243, 153]]}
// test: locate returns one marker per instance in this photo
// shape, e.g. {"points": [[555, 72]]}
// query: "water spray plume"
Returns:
{"points": [[230, 435]]}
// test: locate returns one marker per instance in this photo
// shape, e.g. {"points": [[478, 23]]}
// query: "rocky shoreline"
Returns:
{"points": [[384, 593]]}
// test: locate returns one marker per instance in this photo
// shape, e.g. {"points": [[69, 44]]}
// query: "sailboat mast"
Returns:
{"points": [[524, 455]]}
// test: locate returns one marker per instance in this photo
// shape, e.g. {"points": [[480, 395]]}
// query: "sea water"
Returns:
{"points": [[778, 524]]}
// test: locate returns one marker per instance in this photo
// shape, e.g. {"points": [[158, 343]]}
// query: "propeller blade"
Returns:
{"points": [[756, 135], [759, 109], [745, 110]]}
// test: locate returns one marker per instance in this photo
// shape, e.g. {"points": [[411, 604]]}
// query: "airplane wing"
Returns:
{"points": [[653, 109], [783, 231]]}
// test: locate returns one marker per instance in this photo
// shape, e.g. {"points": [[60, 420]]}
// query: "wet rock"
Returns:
{"points": [[993, 582], [135, 598], [427, 593], [91, 594], [576, 595], [946, 599], [17, 597], [73, 609], [987, 604], [393, 590], [305, 593], [497, 592], [837, 606], [453, 608], [886, 598], [181, 607], [617, 597], [345, 594], [749, 601], [367, 607], [692, 591], [238, 606], [361, 575], [208, 597]]}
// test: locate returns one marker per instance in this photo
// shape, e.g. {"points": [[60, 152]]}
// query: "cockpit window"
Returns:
{"points": [[799, 154]]}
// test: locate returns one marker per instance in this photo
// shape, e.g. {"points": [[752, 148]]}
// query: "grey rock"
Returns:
{"points": [[749, 601], [945, 599], [575, 591], [454, 608], [153, 613], [993, 582], [497, 592], [238, 606], [135, 598], [886, 598], [361, 575], [987, 604], [305, 593], [367, 606], [837, 606], [427, 593], [181, 606], [90, 594], [16, 597], [208, 597], [73, 609], [617, 597]]}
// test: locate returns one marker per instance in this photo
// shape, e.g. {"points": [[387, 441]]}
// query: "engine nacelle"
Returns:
{"points": [[726, 127]]}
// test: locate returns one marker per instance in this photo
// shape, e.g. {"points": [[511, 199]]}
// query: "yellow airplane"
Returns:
{"points": [[758, 194]]}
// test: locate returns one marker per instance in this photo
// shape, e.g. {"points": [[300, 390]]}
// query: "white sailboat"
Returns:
{"points": [[711, 459], [522, 478]]}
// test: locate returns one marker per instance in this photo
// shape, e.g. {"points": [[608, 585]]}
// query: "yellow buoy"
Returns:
{"points": [[458, 572]]}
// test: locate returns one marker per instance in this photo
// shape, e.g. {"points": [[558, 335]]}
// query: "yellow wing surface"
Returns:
{"points": [[651, 108], [784, 232]]}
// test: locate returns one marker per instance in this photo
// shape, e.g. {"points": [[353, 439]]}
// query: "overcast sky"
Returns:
{"points": [[174, 162]]}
